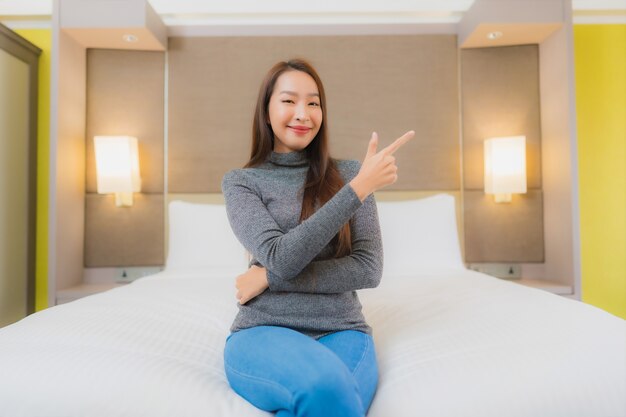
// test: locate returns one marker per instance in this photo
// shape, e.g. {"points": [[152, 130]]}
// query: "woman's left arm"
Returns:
{"points": [[361, 269]]}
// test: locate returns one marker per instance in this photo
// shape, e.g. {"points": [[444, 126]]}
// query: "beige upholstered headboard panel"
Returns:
{"points": [[387, 84]]}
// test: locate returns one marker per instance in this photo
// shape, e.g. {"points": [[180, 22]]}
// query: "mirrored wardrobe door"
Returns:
{"points": [[18, 162]]}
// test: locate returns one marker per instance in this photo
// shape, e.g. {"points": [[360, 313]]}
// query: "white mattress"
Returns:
{"points": [[451, 343]]}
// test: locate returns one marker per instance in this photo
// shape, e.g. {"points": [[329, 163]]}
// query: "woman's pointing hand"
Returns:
{"points": [[379, 168]]}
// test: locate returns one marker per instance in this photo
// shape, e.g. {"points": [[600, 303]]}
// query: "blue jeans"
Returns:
{"points": [[281, 370]]}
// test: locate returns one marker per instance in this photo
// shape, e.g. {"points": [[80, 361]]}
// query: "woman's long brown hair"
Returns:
{"points": [[323, 180]]}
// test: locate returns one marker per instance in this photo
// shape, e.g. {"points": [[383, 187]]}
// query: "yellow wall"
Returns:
{"points": [[600, 65], [42, 38]]}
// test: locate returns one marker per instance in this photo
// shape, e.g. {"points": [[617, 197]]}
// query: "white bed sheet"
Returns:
{"points": [[450, 343]]}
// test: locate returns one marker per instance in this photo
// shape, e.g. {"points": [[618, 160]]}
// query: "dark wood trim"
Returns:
{"points": [[14, 44]]}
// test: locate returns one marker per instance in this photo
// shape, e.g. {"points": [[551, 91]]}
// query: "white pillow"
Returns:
{"points": [[419, 235], [200, 237]]}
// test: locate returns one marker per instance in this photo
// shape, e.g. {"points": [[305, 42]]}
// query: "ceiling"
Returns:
{"points": [[184, 15]]}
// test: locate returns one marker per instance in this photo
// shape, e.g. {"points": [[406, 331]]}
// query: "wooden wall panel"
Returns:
{"points": [[120, 236], [503, 232], [500, 97], [125, 96], [388, 84]]}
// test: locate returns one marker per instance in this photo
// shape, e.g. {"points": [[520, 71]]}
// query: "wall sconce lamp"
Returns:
{"points": [[117, 167], [505, 167]]}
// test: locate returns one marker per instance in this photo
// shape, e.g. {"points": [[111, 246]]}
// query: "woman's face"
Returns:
{"points": [[294, 111]]}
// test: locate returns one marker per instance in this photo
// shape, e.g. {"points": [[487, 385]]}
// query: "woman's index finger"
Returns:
{"points": [[389, 150]]}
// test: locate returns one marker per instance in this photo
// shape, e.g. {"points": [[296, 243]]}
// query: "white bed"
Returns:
{"points": [[450, 342]]}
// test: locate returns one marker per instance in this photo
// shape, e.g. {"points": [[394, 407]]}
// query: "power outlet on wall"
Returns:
{"points": [[506, 271], [131, 273]]}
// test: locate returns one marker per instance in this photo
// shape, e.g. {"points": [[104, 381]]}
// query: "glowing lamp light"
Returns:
{"points": [[505, 167], [117, 167]]}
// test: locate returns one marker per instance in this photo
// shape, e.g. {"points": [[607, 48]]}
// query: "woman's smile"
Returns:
{"points": [[300, 130]]}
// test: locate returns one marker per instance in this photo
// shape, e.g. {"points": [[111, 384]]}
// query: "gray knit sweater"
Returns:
{"points": [[309, 291]]}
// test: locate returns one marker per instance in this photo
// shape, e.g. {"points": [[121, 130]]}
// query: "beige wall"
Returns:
{"points": [[67, 167], [500, 97], [384, 83], [125, 96]]}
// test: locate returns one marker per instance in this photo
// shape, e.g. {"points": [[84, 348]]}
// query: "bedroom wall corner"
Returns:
{"points": [[600, 67], [42, 38]]}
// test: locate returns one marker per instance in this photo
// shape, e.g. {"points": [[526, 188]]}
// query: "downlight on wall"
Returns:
{"points": [[130, 38], [494, 35]]}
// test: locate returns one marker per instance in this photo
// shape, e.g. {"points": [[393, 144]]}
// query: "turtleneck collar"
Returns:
{"points": [[289, 159]]}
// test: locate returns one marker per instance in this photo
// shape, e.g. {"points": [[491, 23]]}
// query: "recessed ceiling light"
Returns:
{"points": [[494, 35], [130, 38]]}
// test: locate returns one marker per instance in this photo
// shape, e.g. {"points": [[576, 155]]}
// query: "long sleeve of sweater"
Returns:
{"points": [[285, 254], [361, 269]]}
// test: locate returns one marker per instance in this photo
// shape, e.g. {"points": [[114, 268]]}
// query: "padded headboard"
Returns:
{"points": [[214, 82]]}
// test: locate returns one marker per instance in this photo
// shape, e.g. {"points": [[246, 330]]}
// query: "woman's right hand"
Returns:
{"points": [[378, 169], [251, 283]]}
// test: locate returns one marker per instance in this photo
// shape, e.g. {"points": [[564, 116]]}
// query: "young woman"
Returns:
{"points": [[300, 345]]}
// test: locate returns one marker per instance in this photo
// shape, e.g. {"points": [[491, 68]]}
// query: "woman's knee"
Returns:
{"points": [[251, 369], [357, 351], [329, 391]]}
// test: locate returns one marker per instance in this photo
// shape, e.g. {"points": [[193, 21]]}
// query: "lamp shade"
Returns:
{"points": [[505, 165], [117, 164]]}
